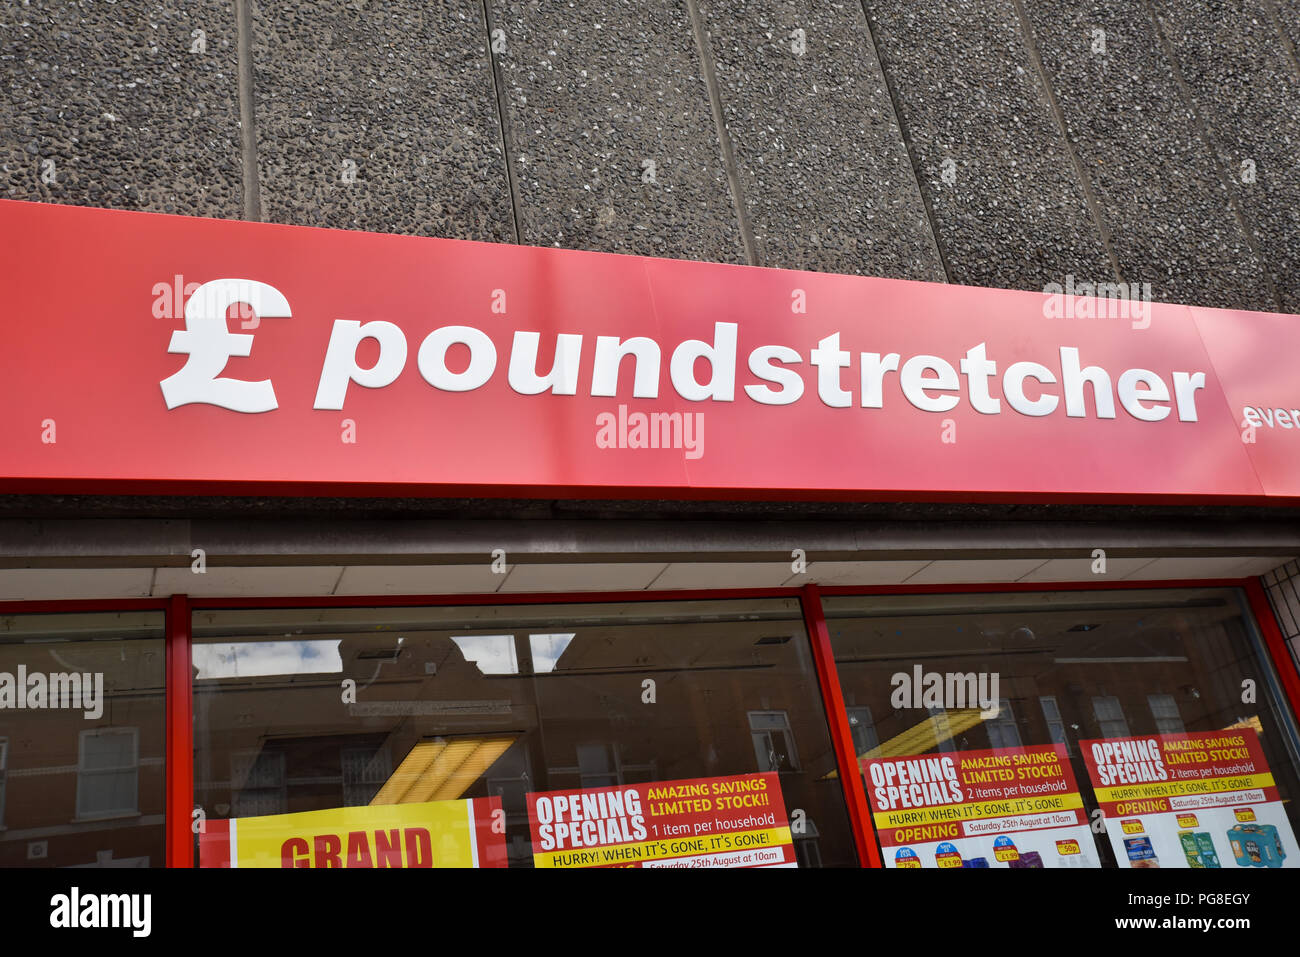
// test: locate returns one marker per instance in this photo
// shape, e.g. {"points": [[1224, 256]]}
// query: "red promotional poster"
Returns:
{"points": [[700, 822], [1004, 807], [1199, 800]]}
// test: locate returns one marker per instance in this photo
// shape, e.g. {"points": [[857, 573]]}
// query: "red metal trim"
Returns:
{"points": [[45, 606], [179, 761], [1283, 661], [1028, 586], [846, 759], [495, 598]]}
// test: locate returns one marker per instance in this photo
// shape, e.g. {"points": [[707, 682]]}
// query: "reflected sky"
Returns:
{"points": [[252, 659], [547, 650], [494, 654]]}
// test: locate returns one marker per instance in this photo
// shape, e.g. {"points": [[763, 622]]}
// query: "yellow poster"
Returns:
{"points": [[435, 834]]}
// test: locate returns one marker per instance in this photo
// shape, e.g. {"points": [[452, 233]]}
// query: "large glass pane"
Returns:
{"points": [[1009, 729], [81, 740], [689, 733]]}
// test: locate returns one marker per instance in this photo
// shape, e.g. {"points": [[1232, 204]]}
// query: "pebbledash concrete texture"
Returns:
{"points": [[1004, 143]]}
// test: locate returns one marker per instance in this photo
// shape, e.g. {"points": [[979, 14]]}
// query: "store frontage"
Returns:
{"points": [[316, 716], [343, 550]]}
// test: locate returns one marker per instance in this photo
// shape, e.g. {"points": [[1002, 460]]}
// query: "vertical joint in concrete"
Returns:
{"points": [[901, 121], [247, 122], [1058, 115], [499, 96], [1216, 157], [724, 139], [1283, 38]]}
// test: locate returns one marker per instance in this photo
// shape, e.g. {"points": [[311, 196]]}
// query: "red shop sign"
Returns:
{"points": [[164, 353]]}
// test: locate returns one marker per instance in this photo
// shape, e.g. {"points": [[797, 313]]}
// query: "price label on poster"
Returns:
{"points": [[1204, 800], [701, 822], [1004, 807]]}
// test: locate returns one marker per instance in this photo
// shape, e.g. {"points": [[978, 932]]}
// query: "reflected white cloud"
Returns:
{"points": [[252, 659], [547, 650], [494, 654]]}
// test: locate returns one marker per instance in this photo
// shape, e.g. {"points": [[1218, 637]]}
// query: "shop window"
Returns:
{"points": [[619, 717], [85, 770], [1110, 716], [1165, 711], [1002, 730], [108, 773], [773, 741], [1052, 718], [1179, 779]]}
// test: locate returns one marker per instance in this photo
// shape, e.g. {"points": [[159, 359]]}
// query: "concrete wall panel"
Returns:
{"points": [[596, 93], [826, 179], [1246, 89], [1159, 186], [1009, 206], [107, 106], [379, 116]]}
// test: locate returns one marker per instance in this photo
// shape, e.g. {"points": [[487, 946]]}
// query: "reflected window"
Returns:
{"points": [[773, 741], [863, 730], [1110, 716], [364, 773], [594, 769], [1002, 730], [258, 782], [942, 729], [1052, 717], [107, 773], [1165, 711], [808, 847]]}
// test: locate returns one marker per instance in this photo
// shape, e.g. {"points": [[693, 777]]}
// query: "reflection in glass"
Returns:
{"points": [[81, 765], [450, 703], [1071, 666]]}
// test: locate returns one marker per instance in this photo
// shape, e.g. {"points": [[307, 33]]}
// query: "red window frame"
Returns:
{"points": [[179, 706]]}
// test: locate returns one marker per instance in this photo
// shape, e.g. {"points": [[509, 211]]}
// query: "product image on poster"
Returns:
{"points": [[700, 822], [1005, 807], [1202, 801], [434, 834]]}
